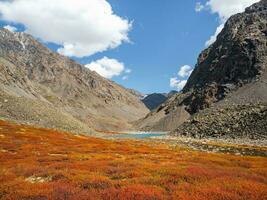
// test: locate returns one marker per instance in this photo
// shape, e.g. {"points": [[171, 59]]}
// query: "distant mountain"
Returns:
{"points": [[152, 101], [172, 93], [43, 88], [226, 95]]}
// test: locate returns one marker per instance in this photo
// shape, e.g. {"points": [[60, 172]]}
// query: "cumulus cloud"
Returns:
{"points": [[225, 9], [108, 67], [180, 81], [82, 27], [185, 71], [11, 28], [177, 83]]}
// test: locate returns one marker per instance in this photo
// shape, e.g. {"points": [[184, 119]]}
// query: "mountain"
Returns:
{"points": [[41, 87], [152, 101], [171, 93], [227, 91], [136, 93]]}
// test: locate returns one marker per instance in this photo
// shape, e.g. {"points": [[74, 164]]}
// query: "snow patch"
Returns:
{"points": [[21, 39], [22, 44]]}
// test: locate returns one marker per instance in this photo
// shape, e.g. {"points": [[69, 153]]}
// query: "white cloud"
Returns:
{"points": [[214, 37], [199, 7], [225, 9], [176, 83], [11, 28], [107, 67], [179, 82], [82, 27], [185, 71]]}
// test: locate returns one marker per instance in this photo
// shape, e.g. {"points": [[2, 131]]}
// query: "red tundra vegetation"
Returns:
{"points": [[40, 164]]}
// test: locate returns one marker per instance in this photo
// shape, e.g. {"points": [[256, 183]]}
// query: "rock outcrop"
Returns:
{"points": [[41, 87]]}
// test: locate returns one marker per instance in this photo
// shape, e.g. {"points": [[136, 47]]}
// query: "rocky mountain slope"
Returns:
{"points": [[44, 88], [136, 93], [152, 101], [237, 121], [230, 76]]}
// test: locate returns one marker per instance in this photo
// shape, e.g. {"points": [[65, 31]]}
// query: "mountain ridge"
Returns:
{"points": [[32, 72]]}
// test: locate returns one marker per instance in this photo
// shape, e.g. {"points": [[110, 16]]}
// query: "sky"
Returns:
{"points": [[149, 45]]}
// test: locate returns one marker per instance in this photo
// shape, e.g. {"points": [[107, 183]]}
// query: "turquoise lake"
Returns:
{"points": [[138, 135]]}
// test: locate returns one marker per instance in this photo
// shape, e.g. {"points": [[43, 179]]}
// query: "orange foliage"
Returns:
{"points": [[41, 164]]}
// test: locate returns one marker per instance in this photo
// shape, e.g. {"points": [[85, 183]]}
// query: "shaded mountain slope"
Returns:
{"points": [[152, 101], [45, 88], [230, 73]]}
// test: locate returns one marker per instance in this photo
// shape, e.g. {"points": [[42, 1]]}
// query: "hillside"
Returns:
{"points": [[229, 74], [41, 87]]}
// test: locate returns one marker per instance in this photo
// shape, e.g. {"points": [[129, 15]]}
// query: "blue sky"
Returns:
{"points": [[164, 36]]}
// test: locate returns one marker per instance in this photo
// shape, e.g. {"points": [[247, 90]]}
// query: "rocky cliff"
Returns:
{"points": [[44, 88], [231, 74]]}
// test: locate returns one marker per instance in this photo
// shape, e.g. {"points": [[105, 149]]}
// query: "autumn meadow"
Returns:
{"points": [[41, 164]]}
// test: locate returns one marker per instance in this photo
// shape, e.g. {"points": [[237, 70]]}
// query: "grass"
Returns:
{"points": [[39, 164]]}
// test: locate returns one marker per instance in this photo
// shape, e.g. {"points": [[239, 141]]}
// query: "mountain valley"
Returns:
{"points": [[72, 132]]}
